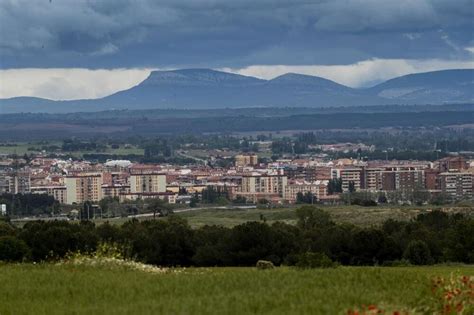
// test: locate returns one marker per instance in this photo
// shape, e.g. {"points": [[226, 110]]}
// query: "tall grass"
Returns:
{"points": [[83, 289]]}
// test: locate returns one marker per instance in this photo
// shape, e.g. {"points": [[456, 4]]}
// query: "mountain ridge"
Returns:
{"points": [[207, 89]]}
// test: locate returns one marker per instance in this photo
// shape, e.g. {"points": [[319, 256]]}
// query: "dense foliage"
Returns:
{"points": [[29, 204], [434, 237]]}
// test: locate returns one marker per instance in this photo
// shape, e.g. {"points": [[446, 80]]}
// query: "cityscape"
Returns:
{"points": [[246, 181], [237, 157]]}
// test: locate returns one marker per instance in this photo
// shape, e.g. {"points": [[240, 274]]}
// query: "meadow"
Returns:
{"points": [[72, 289], [357, 215], [22, 148]]}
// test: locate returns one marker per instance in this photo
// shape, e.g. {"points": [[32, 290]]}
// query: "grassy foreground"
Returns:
{"points": [[70, 289]]}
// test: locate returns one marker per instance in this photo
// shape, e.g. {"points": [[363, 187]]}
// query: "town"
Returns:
{"points": [[245, 181], [237, 157]]}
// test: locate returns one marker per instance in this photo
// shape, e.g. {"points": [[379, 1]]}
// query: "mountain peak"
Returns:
{"points": [[206, 88], [197, 76], [301, 78], [443, 86]]}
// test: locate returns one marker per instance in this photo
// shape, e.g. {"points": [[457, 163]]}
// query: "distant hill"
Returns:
{"points": [[448, 86], [204, 88]]}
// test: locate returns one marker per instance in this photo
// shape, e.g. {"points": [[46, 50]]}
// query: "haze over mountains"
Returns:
{"points": [[208, 89]]}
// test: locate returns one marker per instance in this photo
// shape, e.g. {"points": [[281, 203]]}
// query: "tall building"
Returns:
{"points": [[317, 188], [246, 160], [15, 183], [453, 163], [58, 192], [348, 175], [259, 187], [83, 187], [373, 178], [147, 182], [269, 184], [403, 180], [457, 185]]}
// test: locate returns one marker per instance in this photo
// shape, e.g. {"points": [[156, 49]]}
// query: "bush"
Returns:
{"points": [[396, 263], [6, 229], [364, 202], [264, 264], [13, 249], [314, 260], [418, 253]]}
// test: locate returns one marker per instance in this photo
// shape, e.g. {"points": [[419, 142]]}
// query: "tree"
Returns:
{"points": [[418, 253], [160, 206], [307, 197], [311, 217], [352, 186], [85, 214], [13, 249], [334, 186], [382, 198]]}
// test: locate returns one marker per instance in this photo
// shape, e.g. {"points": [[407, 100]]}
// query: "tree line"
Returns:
{"points": [[430, 238]]}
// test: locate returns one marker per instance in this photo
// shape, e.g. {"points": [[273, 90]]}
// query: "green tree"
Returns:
{"points": [[352, 186], [13, 249], [310, 217], [159, 206], [418, 253]]}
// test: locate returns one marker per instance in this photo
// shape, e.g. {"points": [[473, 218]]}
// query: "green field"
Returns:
{"points": [[21, 148], [363, 216], [72, 289], [357, 215]]}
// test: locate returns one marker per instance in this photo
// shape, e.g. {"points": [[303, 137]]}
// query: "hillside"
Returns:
{"points": [[210, 89], [455, 86]]}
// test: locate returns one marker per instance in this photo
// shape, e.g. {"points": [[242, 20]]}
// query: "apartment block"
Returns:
{"points": [[457, 185], [274, 184], [83, 187], [114, 190], [317, 188], [348, 175], [59, 193], [404, 180], [147, 182], [246, 160]]}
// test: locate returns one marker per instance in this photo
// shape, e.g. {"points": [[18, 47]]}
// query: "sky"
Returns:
{"points": [[69, 49]]}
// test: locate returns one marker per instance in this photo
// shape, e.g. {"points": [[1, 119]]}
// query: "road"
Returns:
{"points": [[142, 215]]}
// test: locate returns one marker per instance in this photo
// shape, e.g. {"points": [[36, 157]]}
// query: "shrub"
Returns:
{"points": [[13, 249], [264, 264], [396, 263], [418, 253], [364, 202], [314, 260], [6, 229]]}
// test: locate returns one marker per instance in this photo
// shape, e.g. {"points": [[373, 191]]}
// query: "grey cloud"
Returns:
{"points": [[111, 33]]}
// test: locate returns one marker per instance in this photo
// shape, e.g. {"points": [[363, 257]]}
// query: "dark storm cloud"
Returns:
{"points": [[235, 33]]}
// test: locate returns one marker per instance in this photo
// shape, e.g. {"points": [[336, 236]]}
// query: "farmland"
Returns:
{"points": [[357, 215], [58, 289], [21, 148], [352, 214]]}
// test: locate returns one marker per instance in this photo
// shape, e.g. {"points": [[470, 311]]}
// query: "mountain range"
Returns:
{"points": [[209, 89]]}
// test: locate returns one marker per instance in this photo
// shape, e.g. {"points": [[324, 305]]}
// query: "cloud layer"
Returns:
{"points": [[47, 47], [67, 84], [361, 74], [237, 33]]}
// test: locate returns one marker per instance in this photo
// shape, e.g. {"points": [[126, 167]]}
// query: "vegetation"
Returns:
{"points": [[85, 289], [29, 204], [434, 237]]}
